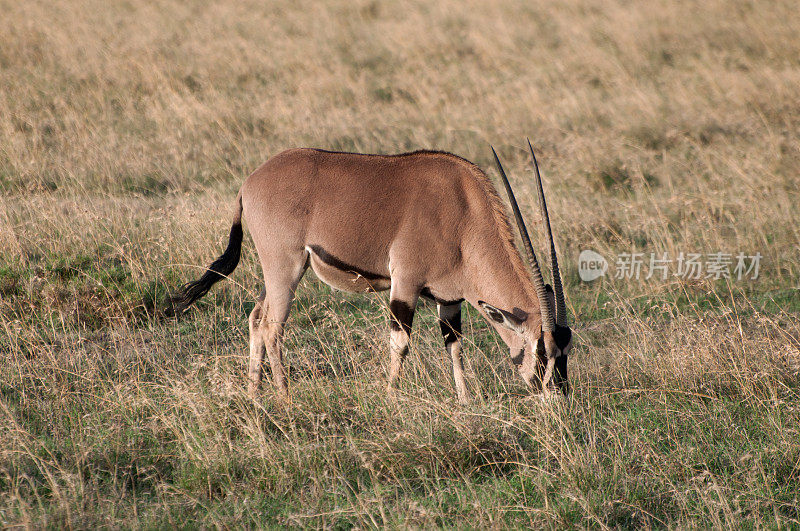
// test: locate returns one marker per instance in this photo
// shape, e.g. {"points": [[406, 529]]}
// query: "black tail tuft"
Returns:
{"points": [[219, 269]]}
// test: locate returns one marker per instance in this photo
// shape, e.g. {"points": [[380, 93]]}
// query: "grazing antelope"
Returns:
{"points": [[424, 224]]}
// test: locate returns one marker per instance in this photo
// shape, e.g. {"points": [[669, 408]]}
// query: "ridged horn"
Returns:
{"points": [[548, 323], [561, 305]]}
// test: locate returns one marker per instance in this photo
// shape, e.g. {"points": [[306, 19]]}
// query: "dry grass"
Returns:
{"points": [[125, 130]]}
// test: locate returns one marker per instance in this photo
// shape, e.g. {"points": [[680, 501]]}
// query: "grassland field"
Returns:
{"points": [[126, 129]]}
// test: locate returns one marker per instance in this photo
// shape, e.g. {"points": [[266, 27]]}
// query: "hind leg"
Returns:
{"points": [[269, 319], [257, 347]]}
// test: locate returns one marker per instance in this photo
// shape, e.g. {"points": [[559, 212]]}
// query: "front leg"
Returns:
{"points": [[450, 323], [402, 303]]}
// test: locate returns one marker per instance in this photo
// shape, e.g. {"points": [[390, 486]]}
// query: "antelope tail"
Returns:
{"points": [[220, 268]]}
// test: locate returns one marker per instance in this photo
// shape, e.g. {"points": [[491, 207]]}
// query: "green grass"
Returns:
{"points": [[162, 425], [194, 449]]}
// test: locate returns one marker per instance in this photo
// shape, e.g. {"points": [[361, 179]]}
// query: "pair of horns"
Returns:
{"points": [[548, 321]]}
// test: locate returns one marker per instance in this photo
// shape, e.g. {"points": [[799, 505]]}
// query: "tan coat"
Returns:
{"points": [[420, 224]]}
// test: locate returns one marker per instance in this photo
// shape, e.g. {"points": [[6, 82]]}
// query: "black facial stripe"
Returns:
{"points": [[517, 315], [496, 314], [562, 336], [402, 316], [451, 329], [343, 266]]}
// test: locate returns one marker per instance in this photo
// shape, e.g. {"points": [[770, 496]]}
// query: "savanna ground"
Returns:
{"points": [[126, 129]]}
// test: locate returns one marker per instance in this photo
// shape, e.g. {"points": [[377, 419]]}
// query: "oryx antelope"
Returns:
{"points": [[424, 224]]}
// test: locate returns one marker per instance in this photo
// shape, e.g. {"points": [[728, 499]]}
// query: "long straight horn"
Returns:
{"points": [[561, 305], [538, 282]]}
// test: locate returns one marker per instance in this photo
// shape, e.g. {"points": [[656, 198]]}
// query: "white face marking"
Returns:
{"points": [[566, 350], [559, 352]]}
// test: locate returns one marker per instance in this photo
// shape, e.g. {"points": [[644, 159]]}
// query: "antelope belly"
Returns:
{"points": [[343, 276]]}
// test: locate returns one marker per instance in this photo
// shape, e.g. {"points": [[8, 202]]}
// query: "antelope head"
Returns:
{"points": [[548, 346]]}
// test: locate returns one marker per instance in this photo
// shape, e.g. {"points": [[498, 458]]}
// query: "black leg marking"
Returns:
{"points": [[402, 316], [451, 328]]}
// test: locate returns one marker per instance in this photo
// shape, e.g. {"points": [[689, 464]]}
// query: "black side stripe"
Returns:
{"points": [[344, 266], [426, 294]]}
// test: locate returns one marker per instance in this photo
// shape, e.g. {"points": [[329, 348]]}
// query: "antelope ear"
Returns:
{"points": [[513, 320]]}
